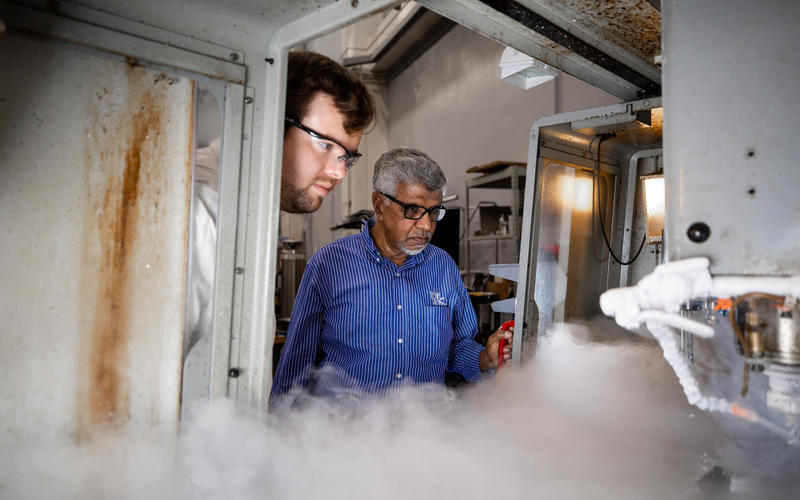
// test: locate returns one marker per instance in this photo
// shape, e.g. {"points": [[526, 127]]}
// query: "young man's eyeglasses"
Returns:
{"points": [[416, 212], [349, 157]]}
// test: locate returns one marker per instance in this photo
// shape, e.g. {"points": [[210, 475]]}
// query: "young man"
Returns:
{"points": [[382, 308], [327, 110]]}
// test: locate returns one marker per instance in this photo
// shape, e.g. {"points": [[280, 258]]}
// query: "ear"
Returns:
{"points": [[377, 203]]}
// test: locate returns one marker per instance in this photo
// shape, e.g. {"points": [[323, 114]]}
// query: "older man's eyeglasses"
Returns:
{"points": [[349, 157], [416, 212]]}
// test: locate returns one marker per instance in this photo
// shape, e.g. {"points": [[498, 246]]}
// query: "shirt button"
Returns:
{"points": [[399, 341], [399, 375], [397, 274], [399, 306]]}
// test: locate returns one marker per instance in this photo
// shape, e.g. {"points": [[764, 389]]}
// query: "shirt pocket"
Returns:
{"points": [[433, 329]]}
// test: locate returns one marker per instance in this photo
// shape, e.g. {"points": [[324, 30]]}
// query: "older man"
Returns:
{"points": [[382, 308]]}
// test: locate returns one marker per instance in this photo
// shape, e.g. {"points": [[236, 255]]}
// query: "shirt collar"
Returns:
{"points": [[366, 238]]}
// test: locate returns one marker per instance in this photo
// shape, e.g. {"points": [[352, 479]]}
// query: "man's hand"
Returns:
{"points": [[488, 357]]}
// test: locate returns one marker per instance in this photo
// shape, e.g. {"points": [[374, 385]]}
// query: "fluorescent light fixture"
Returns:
{"points": [[524, 71], [654, 206]]}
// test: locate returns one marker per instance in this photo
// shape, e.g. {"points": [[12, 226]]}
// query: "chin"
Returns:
{"points": [[413, 251], [314, 206], [307, 204]]}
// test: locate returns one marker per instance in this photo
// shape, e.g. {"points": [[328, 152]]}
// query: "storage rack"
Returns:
{"points": [[513, 178]]}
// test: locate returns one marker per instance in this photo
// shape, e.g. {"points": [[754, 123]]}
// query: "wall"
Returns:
{"points": [[452, 104]]}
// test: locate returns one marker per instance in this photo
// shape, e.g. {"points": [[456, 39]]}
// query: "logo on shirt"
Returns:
{"points": [[437, 299]]}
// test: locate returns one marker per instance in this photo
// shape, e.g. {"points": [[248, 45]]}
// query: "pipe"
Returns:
{"points": [[676, 321], [669, 345], [732, 286]]}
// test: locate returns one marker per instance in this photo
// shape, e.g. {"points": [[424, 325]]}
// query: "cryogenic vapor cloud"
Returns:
{"points": [[587, 420]]}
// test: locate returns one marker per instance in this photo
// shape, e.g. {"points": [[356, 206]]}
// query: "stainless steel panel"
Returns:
{"points": [[730, 91]]}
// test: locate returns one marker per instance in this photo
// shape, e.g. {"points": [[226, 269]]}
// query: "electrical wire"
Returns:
{"points": [[601, 138]]}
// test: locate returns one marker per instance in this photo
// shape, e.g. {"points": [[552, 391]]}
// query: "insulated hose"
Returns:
{"points": [[669, 345]]}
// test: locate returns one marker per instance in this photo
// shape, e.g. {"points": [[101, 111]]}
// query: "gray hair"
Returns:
{"points": [[410, 166]]}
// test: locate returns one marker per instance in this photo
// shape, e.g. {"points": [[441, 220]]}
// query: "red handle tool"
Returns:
{"points": [[503, 342]]}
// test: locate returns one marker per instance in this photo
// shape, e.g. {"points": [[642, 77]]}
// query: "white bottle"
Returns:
{"points": [[503, 225]]}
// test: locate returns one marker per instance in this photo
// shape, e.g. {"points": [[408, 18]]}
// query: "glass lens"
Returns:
{"points": [[349, 161], [437, 214], [414, 211]]}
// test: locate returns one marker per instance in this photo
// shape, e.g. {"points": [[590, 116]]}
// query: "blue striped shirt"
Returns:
{"points": [[361, 323]]}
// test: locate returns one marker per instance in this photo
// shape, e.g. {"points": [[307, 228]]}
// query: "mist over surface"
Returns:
{"points": [[598, 415]]}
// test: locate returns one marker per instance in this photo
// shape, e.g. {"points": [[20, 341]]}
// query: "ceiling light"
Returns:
{"points": [[524, 71]]}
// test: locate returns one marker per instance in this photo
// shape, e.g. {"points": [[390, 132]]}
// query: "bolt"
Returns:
{"points": [[751, 192], [234, 372], [354, 3], [238, 270], [248, 100], [750, 153], [699, 232], [233, 56]]}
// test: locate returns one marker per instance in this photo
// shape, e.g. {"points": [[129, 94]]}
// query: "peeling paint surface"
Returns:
{"points": [[95, 202]]}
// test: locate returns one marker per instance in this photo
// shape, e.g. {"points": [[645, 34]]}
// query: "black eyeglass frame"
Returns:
{"points": [[350, 158], [407, 206]]}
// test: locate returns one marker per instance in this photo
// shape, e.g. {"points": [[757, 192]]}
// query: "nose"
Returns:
{"points": [[425, 222], [334, 168]]}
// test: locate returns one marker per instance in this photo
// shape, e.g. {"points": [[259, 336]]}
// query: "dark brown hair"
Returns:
{"points": [[309, 73]]}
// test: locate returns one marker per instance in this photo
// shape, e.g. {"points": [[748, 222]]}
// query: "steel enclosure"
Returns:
{"points": [[553, 139]]}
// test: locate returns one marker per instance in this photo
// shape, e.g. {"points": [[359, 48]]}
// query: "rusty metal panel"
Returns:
{"points": [[95, 159], [631, 27]]}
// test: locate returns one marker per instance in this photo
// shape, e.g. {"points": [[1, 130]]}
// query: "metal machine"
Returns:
{"points": [[719, 290]]}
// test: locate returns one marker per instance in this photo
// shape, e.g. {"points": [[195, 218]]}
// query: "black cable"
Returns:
{"points": [[603, 137]]}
